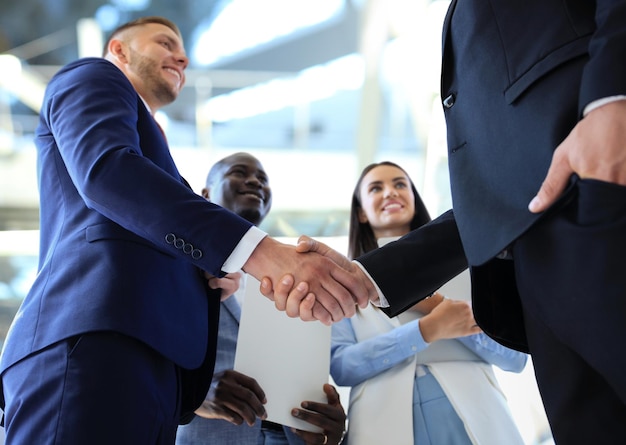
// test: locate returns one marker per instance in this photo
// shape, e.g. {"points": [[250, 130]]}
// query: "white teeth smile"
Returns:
{"points": [[252, 195], [174, 72], [392, 206]]}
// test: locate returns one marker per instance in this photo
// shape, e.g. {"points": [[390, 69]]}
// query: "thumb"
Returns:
{"points": [[553, 185], [306, 244], [267, 288]]}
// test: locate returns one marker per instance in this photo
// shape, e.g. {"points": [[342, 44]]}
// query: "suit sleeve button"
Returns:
{"points": [[196, 254], [448, 102], [170, 238]]}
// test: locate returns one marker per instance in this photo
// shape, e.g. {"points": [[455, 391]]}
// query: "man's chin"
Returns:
{"points": [[251, 215], [167, 95]]}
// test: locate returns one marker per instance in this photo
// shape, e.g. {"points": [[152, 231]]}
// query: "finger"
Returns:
{"points": [[214, 283], [240, 412], [229, 379], [348, 291], [476, 329], [232, 417], [333, 424], [331, 410], [358, 284], [312, 438], [281, 292], [331, 394], [306, 308], [243, 395], [266, 288], [332, 297], [553, 185], [307, 244], [320, 313], [295, 298]]}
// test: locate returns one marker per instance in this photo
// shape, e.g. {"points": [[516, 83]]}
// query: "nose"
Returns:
{"points": [[253, 180], [390, 191], [182, 60]]}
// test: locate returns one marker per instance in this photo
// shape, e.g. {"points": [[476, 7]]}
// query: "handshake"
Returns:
{"points": [[311, 280]]}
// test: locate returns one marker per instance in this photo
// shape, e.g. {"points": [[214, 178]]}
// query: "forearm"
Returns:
{"points": [[494, 353], [433, 254], [353, 363]]}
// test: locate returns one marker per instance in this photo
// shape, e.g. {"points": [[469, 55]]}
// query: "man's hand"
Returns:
{"points": [[330, 417], [235, 398], [321, 271], [229, 283], [302, 299], [595, 149]]}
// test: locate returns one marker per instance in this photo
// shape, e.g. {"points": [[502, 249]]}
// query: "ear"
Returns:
{"points": [[117, 49], [362, 216], [205, 194]]}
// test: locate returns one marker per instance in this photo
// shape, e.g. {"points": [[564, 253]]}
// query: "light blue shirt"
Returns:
{"points": [[354, 362]]}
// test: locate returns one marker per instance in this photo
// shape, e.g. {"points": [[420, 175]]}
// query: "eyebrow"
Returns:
{"points": [[396, 179], [245, 167], [169, 38]]}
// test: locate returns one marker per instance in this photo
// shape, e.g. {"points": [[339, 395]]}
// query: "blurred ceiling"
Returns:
{"points": [[50, 40], [43, 35], [44, 31]]}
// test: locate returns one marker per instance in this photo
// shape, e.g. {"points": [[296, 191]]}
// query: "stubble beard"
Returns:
{"points": [[149, 70]]}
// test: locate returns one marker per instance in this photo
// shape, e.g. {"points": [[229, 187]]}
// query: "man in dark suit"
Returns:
{"points": [[534, 94], [115, 342]]}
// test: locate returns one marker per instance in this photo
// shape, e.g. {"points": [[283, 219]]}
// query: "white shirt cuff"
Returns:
{"points": [[382, 301], [598, 103], [243, 250]]}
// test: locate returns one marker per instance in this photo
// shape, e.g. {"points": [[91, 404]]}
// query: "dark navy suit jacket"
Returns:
{"points": [[516, 75], [123, 239]]}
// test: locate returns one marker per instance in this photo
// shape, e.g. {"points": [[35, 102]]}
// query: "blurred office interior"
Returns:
{"points": [[315, 89]]}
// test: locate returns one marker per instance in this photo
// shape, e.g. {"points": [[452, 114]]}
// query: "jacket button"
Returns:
{"points": [[196, 254], [187, 248], [170, 238], [448, 102], [179, 243]]}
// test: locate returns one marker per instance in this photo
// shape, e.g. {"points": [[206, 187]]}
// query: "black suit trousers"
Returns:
{"points": [[571, 276]]}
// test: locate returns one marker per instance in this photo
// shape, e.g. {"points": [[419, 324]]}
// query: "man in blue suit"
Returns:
{"points": [[239, 183], [534, 94], [115, 342]]}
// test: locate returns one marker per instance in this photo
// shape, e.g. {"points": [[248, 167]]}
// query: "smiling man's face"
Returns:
{"points": [[239, 183], [153, 58]]}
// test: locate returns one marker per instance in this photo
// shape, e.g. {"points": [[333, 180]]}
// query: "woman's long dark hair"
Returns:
{"points": [[361, 237]]}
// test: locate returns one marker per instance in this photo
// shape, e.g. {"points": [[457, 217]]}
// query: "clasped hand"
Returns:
{"points": [[311, 280]]}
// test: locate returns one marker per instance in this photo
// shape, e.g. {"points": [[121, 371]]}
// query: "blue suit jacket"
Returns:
{"points": [[201, 431], [123, 238]]}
